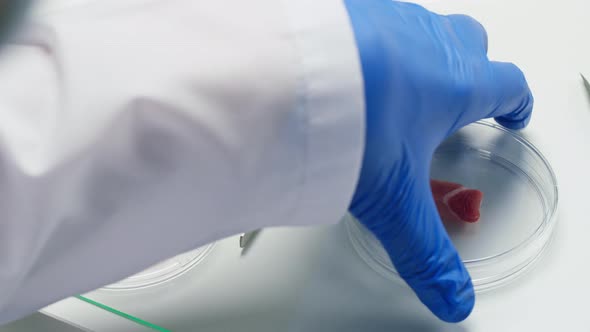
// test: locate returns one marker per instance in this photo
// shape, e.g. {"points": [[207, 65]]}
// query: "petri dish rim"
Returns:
{"points": [[548, 216], [122, 286], [509, 263]]}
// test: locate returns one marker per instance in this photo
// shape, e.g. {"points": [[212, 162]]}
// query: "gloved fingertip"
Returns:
{"points": [[521, 117], [459, 306], [513, 124], [451, 300], [445, 286]]}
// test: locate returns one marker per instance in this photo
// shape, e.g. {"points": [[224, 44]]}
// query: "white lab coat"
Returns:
{"points": [[134, 130]]}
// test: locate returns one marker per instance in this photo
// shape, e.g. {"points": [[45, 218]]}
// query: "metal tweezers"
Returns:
{"points": [[586, 83], [246, 238]]}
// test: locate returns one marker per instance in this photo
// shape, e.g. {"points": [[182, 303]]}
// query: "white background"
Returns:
{"points": [[312, 280]]}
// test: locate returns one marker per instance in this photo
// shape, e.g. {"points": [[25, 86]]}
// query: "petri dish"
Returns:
{"points": [[164, 271], [518, 212]]}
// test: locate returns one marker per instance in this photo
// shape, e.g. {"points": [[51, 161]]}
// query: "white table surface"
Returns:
{"points": [[312, 280]]}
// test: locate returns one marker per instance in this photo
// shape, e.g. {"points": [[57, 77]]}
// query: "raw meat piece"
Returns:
{"points": [[455, 202]]}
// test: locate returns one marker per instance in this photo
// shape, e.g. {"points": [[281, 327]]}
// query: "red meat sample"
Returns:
{"points": [[455, 202]]}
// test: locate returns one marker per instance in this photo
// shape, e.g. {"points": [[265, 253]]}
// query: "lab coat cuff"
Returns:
{"points": [[332, 97]]}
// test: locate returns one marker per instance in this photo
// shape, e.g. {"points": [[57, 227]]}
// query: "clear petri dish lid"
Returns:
{"points": [[518, 212], [164, 271]]}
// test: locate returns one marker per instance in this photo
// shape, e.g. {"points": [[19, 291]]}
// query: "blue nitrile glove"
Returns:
{"points": [[425, 76]]}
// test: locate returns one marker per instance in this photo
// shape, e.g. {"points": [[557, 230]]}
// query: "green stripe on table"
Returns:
{"points": [[122, 314]]}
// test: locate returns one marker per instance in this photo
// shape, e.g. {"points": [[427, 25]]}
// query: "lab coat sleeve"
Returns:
{"points": [[132, 131]]}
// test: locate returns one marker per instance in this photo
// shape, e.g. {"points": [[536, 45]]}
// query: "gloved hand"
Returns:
{"points": [[425, 76]]}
